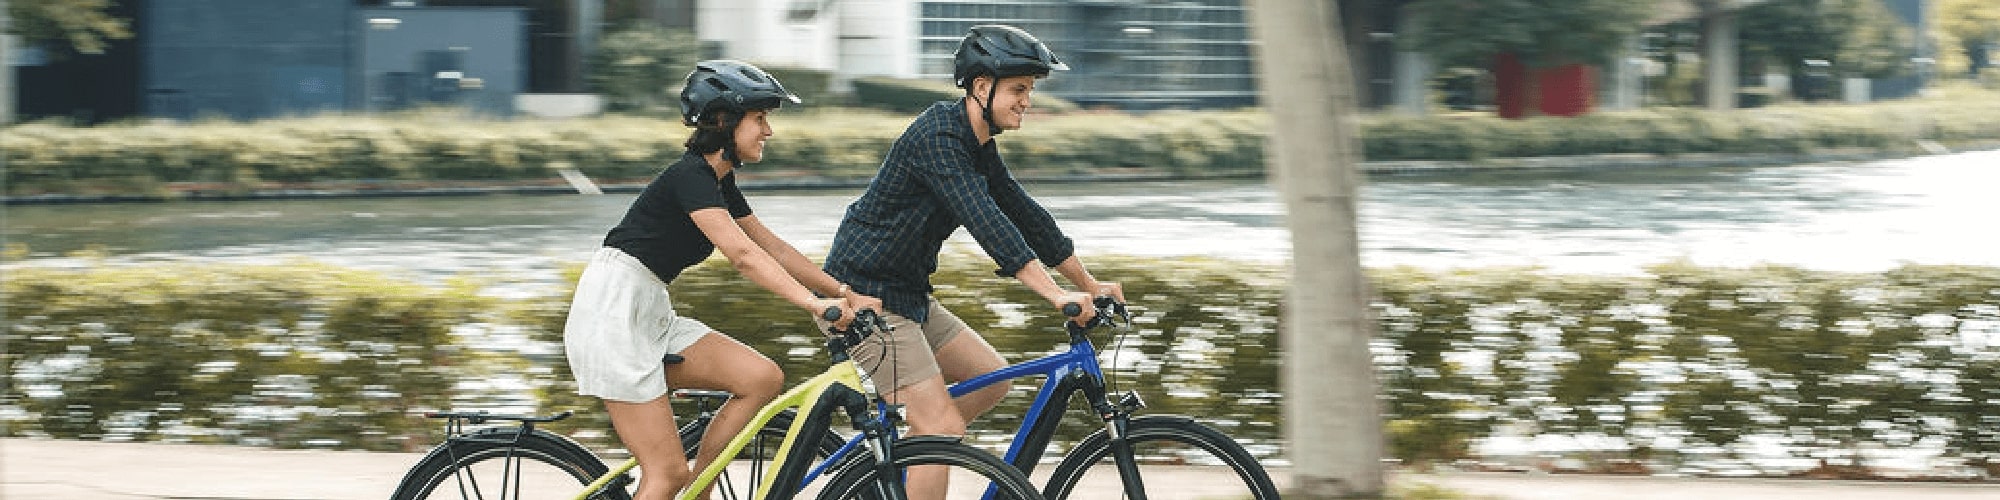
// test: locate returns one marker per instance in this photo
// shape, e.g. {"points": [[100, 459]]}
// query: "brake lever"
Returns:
{"points": [[881, 325]]}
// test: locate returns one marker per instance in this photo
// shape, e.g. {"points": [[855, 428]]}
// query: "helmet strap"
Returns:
{"points": [[729, 155], [727, 128]]}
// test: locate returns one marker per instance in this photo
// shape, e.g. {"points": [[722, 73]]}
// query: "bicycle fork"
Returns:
{"points": [[881, 432], [1117, 417]]}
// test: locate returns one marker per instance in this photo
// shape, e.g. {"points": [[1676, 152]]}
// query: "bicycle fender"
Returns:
{"points": [[930, 439], [577, 452]]}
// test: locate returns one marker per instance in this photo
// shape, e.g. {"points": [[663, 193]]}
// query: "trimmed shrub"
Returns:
{"points": [[814, 87], [848, 143], [902, 95], [313, 356], [303, 355]]}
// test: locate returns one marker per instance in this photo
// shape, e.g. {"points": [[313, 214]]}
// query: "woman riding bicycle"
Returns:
{"points": [[621, 325], [946, 172]]}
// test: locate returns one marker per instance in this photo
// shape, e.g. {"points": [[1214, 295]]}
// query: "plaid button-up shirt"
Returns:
{"points": [[936, 178]]}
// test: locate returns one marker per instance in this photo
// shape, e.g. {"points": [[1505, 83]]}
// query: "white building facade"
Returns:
{"points": [[1123, 53]]}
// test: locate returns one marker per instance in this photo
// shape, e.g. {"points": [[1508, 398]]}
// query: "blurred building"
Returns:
{"points": [[441, 56], [1131, 54], [248, 59]]}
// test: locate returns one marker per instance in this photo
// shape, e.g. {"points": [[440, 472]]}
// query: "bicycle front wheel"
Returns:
{"points": [[503, 464], [1177, 459], [973, 472], [739, 480]]}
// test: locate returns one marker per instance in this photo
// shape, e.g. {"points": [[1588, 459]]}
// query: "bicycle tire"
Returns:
{"points": [[1177, 438], [761, 448], [475, 466], [857, 478]]}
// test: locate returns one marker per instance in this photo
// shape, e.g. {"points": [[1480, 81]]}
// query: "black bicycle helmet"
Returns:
{"points": [[1002, 51], [729, 85]]}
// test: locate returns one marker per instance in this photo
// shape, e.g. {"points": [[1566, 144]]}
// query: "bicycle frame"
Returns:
{"points": [[1074, 369], [815, 399]]}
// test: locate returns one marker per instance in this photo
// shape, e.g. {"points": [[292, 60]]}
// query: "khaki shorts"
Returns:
{"points": [[907, 355]]}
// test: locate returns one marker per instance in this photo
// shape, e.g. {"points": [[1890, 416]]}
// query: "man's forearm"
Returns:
{"points": [[1039, 280], [1072, 268]]}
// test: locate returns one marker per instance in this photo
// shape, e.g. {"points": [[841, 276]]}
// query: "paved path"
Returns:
{"points": [[87, 470]]}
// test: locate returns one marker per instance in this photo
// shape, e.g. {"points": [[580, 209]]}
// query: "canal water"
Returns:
{"points": [[1856, 216]]}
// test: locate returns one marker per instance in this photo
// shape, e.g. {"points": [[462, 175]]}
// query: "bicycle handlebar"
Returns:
{"points": [[866, 323], [1107, 309]]}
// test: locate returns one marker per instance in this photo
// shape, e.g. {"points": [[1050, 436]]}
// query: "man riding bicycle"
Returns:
{"points": [[943, 173]]}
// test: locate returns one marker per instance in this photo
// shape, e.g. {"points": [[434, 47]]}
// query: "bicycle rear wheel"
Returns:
{"points": [[503, 464], [972, 472], [1179, 459]]}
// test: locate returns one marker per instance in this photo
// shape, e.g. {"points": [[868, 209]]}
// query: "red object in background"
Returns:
{"points": [[1566, 90], [1510, 86]]}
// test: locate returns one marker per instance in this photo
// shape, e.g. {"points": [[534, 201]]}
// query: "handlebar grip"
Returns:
{"points": [[831, 314], [1072, 309]]}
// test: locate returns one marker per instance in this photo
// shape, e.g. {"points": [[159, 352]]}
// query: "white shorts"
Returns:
{"points": [[620, 325]]}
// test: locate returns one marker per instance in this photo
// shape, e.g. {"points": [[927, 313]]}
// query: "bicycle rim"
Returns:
{"points": [[1177, 459]]}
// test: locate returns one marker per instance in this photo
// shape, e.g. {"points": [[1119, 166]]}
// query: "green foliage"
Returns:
{"points": [[310, 355], [1962, 28], [1858, 37], [83, 26], [300, 355], [1543, 32], [845, 143], [811, 85], [640, 68], [902, 95], [1769, 129]]}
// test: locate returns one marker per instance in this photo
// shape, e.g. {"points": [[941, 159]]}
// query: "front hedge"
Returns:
{"points": [[141, 158], [292, 355], [298, 356]]}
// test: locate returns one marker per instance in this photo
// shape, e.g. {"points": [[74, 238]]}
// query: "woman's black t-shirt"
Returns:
{"points": [[657, 229]]}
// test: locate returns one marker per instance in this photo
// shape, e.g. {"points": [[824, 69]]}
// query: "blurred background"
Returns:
{"points": [[1664, 237], [98, 60]]}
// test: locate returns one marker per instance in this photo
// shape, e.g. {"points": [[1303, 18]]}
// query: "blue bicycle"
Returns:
{"points": [[1131, 447]]}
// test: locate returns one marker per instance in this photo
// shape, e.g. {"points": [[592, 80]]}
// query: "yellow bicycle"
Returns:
{"points": [[520, 461]]}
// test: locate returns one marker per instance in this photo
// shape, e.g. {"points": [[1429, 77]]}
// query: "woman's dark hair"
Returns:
{"points": [[713, 133]]}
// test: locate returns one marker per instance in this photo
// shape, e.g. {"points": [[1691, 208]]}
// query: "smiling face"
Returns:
{"points": [[750, 134], [1011, 102]]}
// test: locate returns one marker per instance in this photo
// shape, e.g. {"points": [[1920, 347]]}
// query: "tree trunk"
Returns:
{"points": [[1332, 420]]}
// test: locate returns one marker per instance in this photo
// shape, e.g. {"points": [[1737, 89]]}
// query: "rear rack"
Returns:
{"points": [[455, 422]]}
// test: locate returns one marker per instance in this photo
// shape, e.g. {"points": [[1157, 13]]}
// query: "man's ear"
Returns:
{"points": [[977, 89]]}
